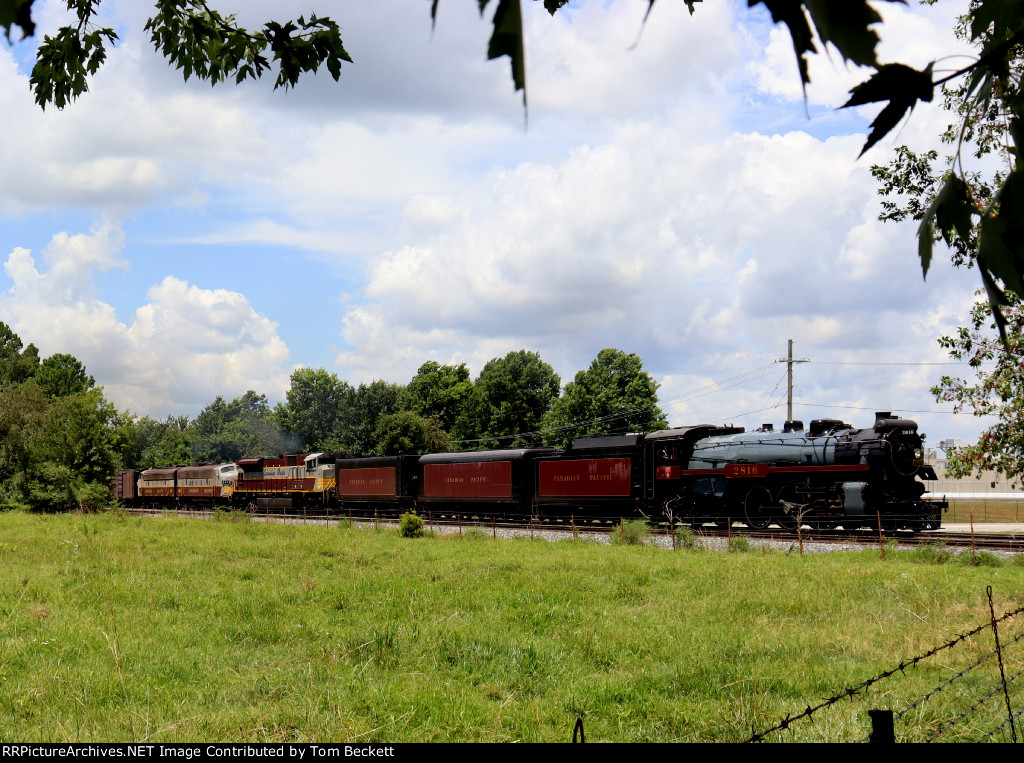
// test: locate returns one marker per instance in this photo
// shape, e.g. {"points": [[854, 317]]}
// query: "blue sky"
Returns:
{"points": [[673, 200]]}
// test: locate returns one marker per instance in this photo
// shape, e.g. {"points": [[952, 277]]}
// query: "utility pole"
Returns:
{"points": [[789, 378]]}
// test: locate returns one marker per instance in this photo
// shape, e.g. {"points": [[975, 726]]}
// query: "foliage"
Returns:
{"points": [[361, 414], [508, 400], [971, 207], [244, 427], [410, 526], [630, 532], [439, 391], [60, 439], [687, 539], [614, 396], [61, 375], [313, 407], [996, 391], [408, 432], [16, 364], [739, 544]]}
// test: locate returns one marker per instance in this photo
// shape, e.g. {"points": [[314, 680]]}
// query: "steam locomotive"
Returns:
{"points": [[827, 475]]}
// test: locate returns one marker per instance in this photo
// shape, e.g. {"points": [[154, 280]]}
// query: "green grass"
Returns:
{"points": [[983, 512], [121, 628]]}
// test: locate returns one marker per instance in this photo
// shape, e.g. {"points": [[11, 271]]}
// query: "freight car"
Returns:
{"points": [[827, 475]]}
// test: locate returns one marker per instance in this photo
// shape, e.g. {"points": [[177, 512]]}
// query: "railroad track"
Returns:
{"points": [[1012, 542]]}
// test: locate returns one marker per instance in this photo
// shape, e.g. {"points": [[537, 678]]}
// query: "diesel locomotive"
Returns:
{"points": [[826, 475]]}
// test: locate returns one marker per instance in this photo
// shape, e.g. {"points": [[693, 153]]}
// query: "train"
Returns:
{"points": [[827, 475]]}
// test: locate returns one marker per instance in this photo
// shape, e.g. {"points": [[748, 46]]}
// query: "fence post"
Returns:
{"points": [[578, 737], [974, 551], [883, 730], [881, 545], [1002, 673]]}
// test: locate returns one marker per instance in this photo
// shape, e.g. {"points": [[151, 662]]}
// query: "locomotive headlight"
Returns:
{"points": [[918, 454]]}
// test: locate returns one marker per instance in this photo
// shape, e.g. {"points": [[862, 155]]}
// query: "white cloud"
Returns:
{"points": [[185, 346]]}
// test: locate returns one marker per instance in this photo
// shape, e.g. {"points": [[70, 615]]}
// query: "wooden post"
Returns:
{"points": [[883, 731], [494, 525], [974, 551], [881, 545]]}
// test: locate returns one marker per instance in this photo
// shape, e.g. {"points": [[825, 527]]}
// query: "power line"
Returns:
{"points": [[875, 408]]}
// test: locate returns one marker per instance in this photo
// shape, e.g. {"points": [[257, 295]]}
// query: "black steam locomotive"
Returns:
{"points": [[827, 475]]}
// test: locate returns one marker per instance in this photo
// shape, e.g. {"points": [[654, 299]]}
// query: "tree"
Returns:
{"points": [[61, 375], [913, 188], [997, 391], [439, 392], [408, 432], [16, 364], [509, 398], [614, 396], [230, 431], [363, 409], [313, 407]]}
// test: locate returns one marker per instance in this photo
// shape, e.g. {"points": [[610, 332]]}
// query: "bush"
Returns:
{"points": [[410, 526], [740, 543], [687, 539], [633, 532]]}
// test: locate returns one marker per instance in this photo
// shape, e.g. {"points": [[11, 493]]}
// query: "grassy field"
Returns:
{"points": [[122, 628], [984, 512]]}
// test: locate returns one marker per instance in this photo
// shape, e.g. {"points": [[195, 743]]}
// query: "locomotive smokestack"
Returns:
{"points": [[879, 415]]}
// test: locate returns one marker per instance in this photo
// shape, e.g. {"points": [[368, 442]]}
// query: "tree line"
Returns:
{"points": [[61, 440]]}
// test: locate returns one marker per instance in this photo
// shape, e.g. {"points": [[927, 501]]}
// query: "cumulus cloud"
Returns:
{"points": [[184, 347], [639, 210]]}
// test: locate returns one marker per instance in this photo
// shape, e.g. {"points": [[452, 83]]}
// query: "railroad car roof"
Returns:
{"points": [[611, 441], [701, 429], [368, 462], [512, 454]]}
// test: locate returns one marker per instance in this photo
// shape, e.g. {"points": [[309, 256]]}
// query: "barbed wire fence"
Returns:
{"points": [[884, 721]]}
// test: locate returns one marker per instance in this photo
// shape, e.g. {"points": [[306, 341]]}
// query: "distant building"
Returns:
{"points": [[985, 484]]}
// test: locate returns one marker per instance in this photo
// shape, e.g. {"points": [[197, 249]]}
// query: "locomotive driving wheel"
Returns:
{"points": [[758, 509]]}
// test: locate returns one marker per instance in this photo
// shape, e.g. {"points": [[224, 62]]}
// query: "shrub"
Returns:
{"points": [[933, 553], [410, 526], [980, 559], [687, 539], [633, 532], [740, 543]]}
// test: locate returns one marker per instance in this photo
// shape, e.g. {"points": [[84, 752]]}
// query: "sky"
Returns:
{"points": [[669, 193]]}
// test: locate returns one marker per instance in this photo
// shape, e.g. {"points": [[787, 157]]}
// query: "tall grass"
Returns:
{"points": [[124, 628]]}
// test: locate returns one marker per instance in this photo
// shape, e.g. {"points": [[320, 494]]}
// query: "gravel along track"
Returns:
{"points": [[711, 541]]}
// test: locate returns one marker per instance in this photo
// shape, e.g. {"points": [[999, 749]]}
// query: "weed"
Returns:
{"points": [[932, 553], [410, 526], [688, 539], [740, 544], [631, 532], [980, 559]]}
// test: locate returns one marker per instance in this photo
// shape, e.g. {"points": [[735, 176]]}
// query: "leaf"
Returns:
{"points": [[507, 39], [847, 25], [791, 13], [17, 12], [553, 5], [901, 85]]}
